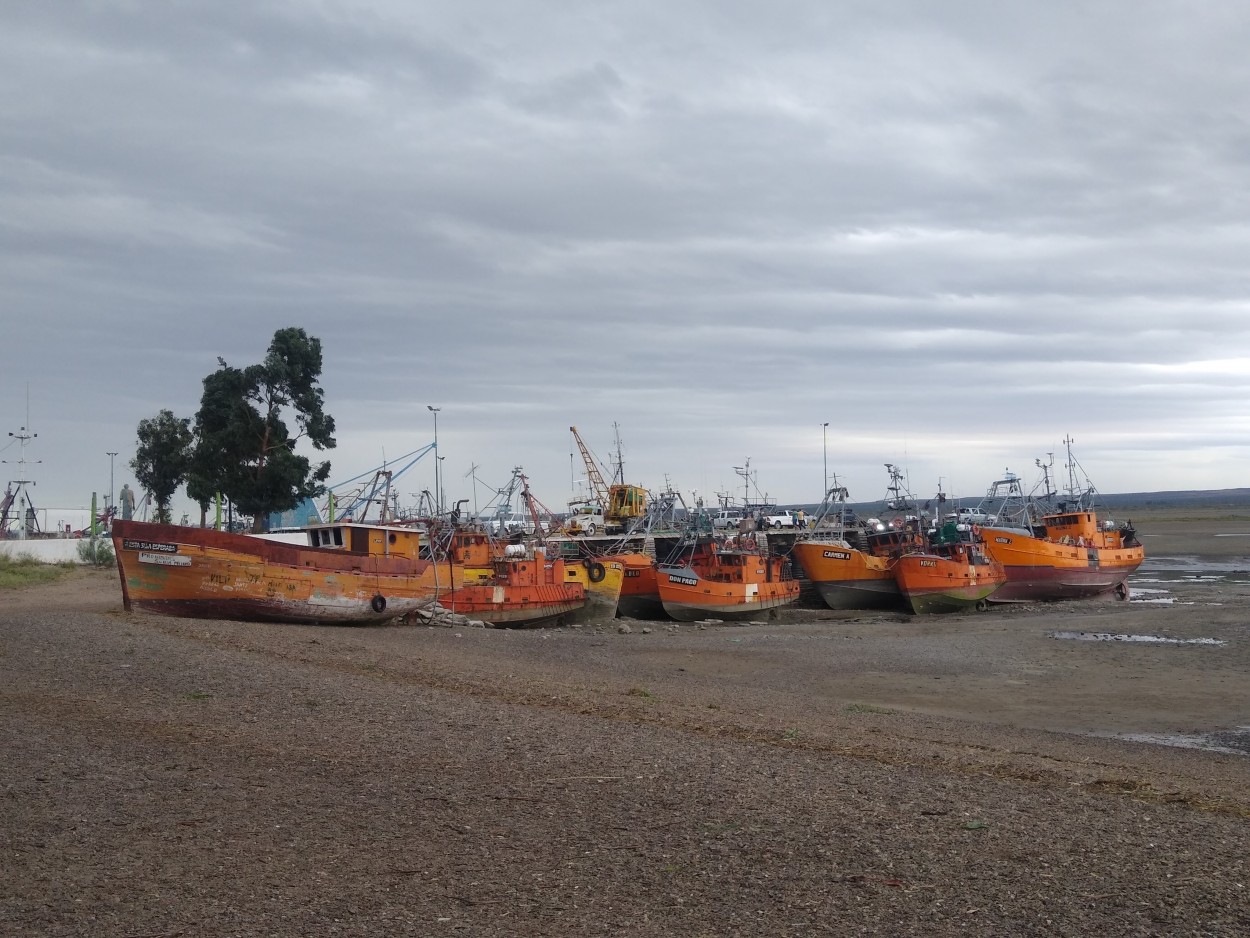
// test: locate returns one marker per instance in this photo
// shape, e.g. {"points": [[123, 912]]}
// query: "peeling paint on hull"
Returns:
{"points": [[203, 573]]}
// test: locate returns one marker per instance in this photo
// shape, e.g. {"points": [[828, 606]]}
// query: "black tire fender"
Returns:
{"points": [[378, 603], [596, 571]]}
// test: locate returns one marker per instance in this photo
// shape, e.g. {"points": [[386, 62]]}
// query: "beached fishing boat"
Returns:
{"points": [[640, 592], [1067, 555], [735, 581], [952, 574], [342, 573], [1066, 552], [603, 578], [851, 565], [506, 584], [846, 577]]}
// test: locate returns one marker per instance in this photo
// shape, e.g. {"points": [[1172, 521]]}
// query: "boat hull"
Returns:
{"points": [[602, 579], [1043, 571], [933, 584], [517, 607], [847, 578], [204, 573], [640, 590], [689, 597]]}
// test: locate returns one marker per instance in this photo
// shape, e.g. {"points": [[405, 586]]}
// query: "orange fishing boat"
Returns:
{"points": [[640, 593], [736, 583], [846, 577], [951, 575], [1067, 553], [342, 573], [507, 584]]}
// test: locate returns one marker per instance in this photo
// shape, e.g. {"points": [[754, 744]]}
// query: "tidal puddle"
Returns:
{"points": [[1235, 742], [1145, 639]]}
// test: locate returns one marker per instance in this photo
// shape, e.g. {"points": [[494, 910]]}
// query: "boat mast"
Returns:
{"points": [[27, 519], [618, 472], [1048, 493]]}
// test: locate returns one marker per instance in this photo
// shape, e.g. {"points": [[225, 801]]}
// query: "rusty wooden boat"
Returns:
{"points": [[341, 573]]}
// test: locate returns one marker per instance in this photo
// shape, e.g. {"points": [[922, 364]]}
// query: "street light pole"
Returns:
{"points": [[109, 507], [824, 434], [438, 498]]}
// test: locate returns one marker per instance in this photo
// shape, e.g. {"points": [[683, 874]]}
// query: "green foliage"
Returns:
{"points": [[244, 447], [162, 457], [96, 551]]}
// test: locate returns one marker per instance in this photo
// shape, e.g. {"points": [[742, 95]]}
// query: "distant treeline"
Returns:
{"points": [[1211, 498]]}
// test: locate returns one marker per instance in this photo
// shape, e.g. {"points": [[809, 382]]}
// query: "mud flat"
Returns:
{"points": [[824, 773]]}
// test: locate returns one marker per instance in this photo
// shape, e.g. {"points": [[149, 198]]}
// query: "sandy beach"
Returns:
{"points": [[1031, 770]]}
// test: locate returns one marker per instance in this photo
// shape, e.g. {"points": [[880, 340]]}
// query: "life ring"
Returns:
{"points": [[596, 572], [748, 543], [378, 603]]}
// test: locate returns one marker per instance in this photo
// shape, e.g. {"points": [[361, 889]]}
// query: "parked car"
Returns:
{"points": [[509, 524], [967, 516], [727, 518]]}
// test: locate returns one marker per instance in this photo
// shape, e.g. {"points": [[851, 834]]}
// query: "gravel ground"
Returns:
{"points": [[821, 774]]}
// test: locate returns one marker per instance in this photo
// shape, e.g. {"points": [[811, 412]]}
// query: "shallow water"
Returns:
{"points": [[1146, 639], [1235, 742]]}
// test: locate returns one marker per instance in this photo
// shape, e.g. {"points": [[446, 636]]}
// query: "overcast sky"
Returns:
{"points": [[955, 231]]}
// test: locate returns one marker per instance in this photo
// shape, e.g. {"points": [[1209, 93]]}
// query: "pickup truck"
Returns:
{"points": [[727, 518], [782, 519]]}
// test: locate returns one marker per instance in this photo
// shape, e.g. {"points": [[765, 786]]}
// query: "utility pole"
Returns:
{"points": [[108, 508], [438, 492], [824, 432]]}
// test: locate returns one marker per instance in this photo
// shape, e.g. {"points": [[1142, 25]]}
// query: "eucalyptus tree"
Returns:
{"points": [[245, 447], [162, 457]]}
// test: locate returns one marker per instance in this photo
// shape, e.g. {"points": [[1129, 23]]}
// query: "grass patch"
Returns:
{"points": [[639, 692], [25, 570], [868, 708], [198, 695]]}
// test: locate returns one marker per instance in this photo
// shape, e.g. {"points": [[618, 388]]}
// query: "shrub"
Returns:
{"points": [[95, 551]]}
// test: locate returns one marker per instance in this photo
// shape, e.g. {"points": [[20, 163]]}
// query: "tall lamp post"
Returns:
{"points": [[438, 498], [824, 436], [108, 508]]}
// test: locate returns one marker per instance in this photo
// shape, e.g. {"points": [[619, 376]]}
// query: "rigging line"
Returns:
{"points": [[422, 451]]}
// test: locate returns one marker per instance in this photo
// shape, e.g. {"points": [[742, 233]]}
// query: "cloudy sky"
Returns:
{"points": [[957, 232]]}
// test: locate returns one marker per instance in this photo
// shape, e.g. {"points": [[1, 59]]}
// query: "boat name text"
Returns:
{"points": [[928, 563], [837, 555], [684, 580], [128, 544]]}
